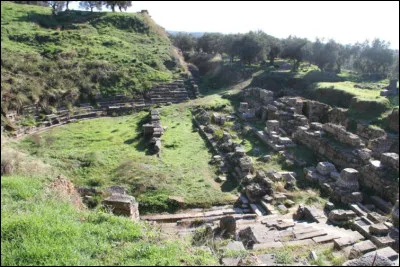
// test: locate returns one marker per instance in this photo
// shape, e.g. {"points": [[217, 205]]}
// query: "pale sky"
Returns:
{"points": [[346, 22]]}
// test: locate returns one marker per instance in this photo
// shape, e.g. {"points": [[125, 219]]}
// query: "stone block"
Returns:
{"points": [[325, 168], [121, 204]]}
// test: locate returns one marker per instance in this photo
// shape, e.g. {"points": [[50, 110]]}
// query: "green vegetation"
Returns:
{"points": [[57, 59], [108, 151], [40, 227]]}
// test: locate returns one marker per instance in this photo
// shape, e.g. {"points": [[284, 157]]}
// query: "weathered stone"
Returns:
{"points": [[274, 176], [255, 192], [379, 229], [391, 159], [375, 217], [121, 204], [382, 204], [361, 248], [354, 197], [348, 180], [325, 168], [329, 206], [272, 126], [334, 175], [246, 164], [313, 255], [230, 261], [341, 215], [370, 260], [288, 177]]}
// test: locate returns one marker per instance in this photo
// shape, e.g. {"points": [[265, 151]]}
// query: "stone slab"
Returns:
{"points": [[311, 234]]}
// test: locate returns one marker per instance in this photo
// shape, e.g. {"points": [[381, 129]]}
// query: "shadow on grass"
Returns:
{"points": [[229, 185], [64, 19]]}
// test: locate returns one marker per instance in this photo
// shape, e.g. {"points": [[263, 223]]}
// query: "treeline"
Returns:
{"points": [[373, 57], [87, 5]]}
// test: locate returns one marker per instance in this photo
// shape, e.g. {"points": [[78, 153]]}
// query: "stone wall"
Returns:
{"points": [[339, 132], [316, 111], [340, 156], [368, 132], [338, 116], [393, 120]]}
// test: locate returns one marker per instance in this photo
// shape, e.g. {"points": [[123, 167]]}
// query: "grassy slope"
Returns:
{"points": [[38, 227], [80, 52], [108, 151]]}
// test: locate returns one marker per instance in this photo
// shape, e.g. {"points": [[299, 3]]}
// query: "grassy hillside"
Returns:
{"points": [[57, 59]]}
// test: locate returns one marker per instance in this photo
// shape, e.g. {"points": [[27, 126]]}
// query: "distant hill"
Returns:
{"points": [[54, 60]]}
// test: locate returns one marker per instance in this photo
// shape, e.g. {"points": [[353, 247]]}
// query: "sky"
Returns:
{"points": [[346, 22]]}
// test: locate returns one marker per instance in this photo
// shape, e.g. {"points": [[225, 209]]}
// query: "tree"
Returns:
{"points": [[67, 4], [325, 55], [344, 56], [91, 5], [395, 68], [184, 41], [275, 48], [120, 4], [230, 45], [111, 4], [251, 47], [56, 6], [210, 43], [124, 5], [374, 58], [294, 50]]}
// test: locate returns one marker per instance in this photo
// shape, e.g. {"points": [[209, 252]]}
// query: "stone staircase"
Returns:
{"points": [[174, 92]]}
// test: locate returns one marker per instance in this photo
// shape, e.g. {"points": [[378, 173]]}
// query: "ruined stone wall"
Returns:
{"points": [[316, 111], [353, 158], [368, 132], [338, 116]]}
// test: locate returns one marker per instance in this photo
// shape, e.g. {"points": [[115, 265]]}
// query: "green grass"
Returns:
{"points": [[366, 94], [40, 228], [108, 151], [79, 54]]}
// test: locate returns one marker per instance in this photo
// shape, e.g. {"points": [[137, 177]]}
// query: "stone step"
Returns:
{"points": [[387, 252], [304, 230], [382, 241], [359, 249], [346, 241], [311, 234], [325, 239]]}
